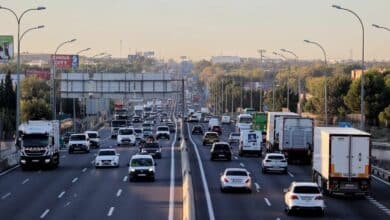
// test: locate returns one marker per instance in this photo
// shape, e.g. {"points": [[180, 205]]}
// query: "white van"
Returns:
{"points": [[250, 142], [213, 122], [244, 122]]}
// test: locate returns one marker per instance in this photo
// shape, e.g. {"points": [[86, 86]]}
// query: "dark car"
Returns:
{"points": [[151, 148], [172, 127], [197, 129], [221, 150], [137, 119], [66, 136], [217, 128]]}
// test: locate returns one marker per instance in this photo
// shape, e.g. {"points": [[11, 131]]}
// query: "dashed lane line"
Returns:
{"points": [[235, 157], [6, 195], [267, 201], [45, 213], [242, 165], [25, 181], [61, 195], [378, 205], [379, 179], [75, 179], [110, 211], [290, 174], [119, 193], [125, 178], [9, 170], [257, 187], [83, 170]]}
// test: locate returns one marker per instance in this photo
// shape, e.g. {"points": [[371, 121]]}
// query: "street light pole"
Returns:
{"points": [[18, 20], [288, 78], [53, 95], [261, 51], [381, 27], [326, 80], [362, 118], [299, 79]]}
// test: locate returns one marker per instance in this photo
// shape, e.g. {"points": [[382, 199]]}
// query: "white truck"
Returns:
{"points": [[296, 138], [39, 143], [341, 160], [244, 122], [205, 110], [273, 129], [250, 143], [139, 110]]}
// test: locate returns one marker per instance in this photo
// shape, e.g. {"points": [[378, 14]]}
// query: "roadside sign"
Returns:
{"points": [[65, 61], [6, 48]]}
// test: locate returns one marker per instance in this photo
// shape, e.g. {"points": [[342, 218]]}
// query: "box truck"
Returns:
{"points": [[296, 138], [39, 143], [273, 129], [341, 160]]}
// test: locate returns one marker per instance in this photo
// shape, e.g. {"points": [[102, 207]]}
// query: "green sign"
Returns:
{"points": [[6, 48]]}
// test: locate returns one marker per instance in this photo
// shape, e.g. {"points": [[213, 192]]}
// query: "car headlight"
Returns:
{"points": [[132, 170], [150, 169], [158, 150]]}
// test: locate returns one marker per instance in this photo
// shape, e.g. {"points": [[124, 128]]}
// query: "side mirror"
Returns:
{"points": [[285, 190]]}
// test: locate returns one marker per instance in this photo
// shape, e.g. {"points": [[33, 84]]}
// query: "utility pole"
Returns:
{"points": [[261, 51]]}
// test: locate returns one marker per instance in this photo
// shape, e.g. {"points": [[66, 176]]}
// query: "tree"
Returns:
{"points": [[35, 109], [35, 96], [281, 99], [375, 97], [338, 87], [9, 93], [384, 117]]}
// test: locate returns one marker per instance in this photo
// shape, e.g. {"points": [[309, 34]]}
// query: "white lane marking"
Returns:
{"points": [[378, 205], [119, 193], [45, 213], [290, 174], [267, 201], [235, 157], [172, 185], [110, 211], [204, 181], [75, 179], [9, 170], [379, 179], [125, 178], [25, 181], [85, 169], [67, 204], [92, 161], [257, 187], [63, 156], [61, 194], [277, 218], [6, 195], [242, 165]]}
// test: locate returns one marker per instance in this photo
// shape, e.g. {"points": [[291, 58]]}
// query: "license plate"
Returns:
{"points": [[35, 161], [141, 174], [236, 181], [221, 155]]}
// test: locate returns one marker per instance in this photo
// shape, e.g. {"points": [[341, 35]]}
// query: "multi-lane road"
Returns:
{"points": [[76, 190], [266, 199]]}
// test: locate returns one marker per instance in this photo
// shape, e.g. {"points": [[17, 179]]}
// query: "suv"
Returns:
{"points": [[221, 150], [94, 138], [151, 148], [78, 142], [172, 127], [138, 134], [302, 196], [162, 132], [274, 162], [210, 138], [197, 129], [125, 136], [234, 137], [217, 128], [142, 166]]}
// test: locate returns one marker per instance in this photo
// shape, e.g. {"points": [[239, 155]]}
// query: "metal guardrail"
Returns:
{"points": [[381, 173]]}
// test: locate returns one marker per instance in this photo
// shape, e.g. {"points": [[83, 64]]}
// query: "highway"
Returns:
{"points": [[266, 200], [76, 190]]}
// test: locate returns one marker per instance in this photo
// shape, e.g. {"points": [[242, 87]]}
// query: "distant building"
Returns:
{"points": [[225, 59]]}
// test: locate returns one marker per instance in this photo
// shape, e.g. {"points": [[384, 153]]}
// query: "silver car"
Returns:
{"points": [[236, 179]]}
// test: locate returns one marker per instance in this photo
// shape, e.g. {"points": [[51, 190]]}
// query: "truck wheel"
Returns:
{"points": [[70, 151], [240, 153]]}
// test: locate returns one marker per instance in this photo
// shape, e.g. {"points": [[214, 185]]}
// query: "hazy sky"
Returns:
{"points": [[203, 28]]}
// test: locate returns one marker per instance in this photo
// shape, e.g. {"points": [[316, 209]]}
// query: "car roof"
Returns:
{"points": [[304, 184], [78, 134], [142, 156], [236, 169], [210, 132], [107, 149], [126, 128], [221, 142], [274, 154], [236, 133], [91, 132]]}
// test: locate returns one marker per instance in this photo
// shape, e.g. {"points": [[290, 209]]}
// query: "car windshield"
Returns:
{"points": [[236, 173], [163, 129], [126, 131], [306, 190], [151, 145], [235, 134], [35, 140], [141, 162], [107, 153], [138, 131], [119, 123], [121, 111], [211, 135], [79, 137], [221, 147], [245, 120], [275, 157], [92, 135]]}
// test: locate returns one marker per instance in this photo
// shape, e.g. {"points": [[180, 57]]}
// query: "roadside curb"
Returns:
{"points": [[188, 192]]}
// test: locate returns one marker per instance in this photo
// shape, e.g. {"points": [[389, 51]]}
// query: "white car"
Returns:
{"points": [[78, 142], [138, 133], [236, 178], [107, 158], [304, 196], [94, 138], [142, 166], [234, 137], [125, 136], [274, 162], [162, 132], [225, 119]]}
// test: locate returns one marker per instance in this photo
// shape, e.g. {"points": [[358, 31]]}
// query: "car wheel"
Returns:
{"points": [[285, 171], [70, 151], [204, 143], [249, 191], [322, 213], [152, 179], [240, 153], [223, 190], [288, 212], [24, 167], [211, 158]]}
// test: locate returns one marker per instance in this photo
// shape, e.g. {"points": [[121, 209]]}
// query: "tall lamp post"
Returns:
{"points": [[362, 118], [18, 20], [288, 78], [298, 76], [380, 27], [53, 95], [261, 52], [326, 80]]}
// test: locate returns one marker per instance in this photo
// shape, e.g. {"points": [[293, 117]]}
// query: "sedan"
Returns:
{"points": [[236, 178], [274, 162], [304, 196], [234, 138], [107, 158], [197, 129]]}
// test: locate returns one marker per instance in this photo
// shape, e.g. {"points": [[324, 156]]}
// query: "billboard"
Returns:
{"points": [[65, 61], [6, 48], [43, 74]]}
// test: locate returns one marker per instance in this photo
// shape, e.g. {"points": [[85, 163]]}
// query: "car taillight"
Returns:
{"points": [[225, 180], [247, 181], [318, 198], [293, 197], [268, 161]]}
